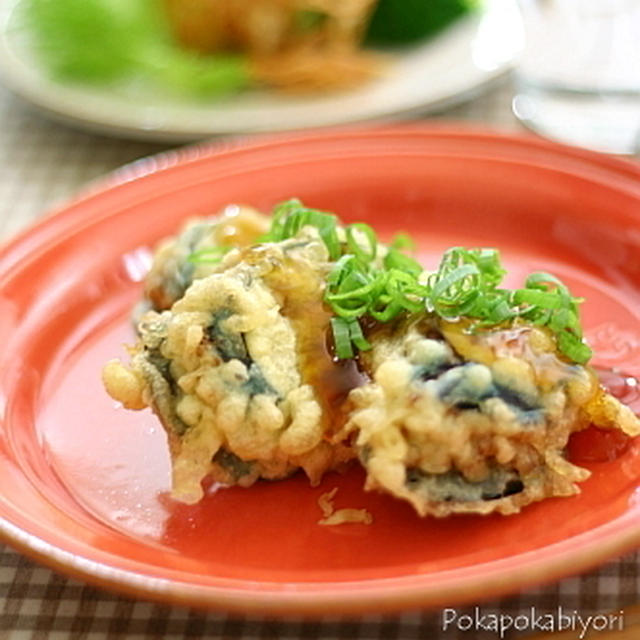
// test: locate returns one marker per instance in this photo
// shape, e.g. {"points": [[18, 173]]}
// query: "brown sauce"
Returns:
{"points": [[301, 290], [240, 226]]}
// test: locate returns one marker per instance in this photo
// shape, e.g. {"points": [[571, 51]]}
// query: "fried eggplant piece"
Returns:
{"points": [[236, 358], [227, 370], [456, 421]]}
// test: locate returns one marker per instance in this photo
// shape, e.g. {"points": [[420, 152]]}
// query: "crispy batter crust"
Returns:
{"points": [[233, 359]]}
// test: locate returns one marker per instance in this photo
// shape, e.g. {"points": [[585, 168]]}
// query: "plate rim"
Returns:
{"points": [[420, 591]]}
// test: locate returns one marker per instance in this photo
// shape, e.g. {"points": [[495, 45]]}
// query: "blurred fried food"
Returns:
{"points": [[215, 48], [268, 26], [292, 44]]}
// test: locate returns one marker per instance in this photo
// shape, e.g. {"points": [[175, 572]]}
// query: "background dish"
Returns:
{"points": [[84, 475], [452, 66]]}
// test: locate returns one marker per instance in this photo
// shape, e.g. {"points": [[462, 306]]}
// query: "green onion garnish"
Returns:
{"points": [[369, 279], [467, 284], [210, 255], [341, 337], [291, 216], [401, 241]]}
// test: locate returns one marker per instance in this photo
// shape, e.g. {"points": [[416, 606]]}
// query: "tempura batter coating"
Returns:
{"points": [[173, 270], [456, 421], [223, 371], [237, 359]]}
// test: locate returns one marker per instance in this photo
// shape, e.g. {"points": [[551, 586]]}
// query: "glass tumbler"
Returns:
{"points": [[579, 78]]}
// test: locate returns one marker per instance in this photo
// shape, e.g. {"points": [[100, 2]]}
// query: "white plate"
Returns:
{"points": [[453, 66]]}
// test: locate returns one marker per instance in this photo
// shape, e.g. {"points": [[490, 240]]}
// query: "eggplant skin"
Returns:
{"points": [[452, 486]]}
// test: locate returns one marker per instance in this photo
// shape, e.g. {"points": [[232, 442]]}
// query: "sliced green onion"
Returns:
{"points": [[396, 260], [291, 216], [356, 248], [329, 236], [548, 300], [466, 284], [573, 347], [402, 240], [340, 269], [210, 255], [341, 338], [387, 313], [357, 337], [540, 278], [453, 282]]}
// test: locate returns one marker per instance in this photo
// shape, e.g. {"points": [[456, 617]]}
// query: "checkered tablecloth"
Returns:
{"points": [[41, 165]]}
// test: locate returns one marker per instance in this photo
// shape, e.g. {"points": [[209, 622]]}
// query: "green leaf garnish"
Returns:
{"points": [[110, 41], [402, 22]]}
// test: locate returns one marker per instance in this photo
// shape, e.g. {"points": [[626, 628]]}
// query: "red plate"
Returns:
{"points": [[84, 483]]}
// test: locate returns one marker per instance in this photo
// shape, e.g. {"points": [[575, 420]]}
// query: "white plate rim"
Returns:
{"points": [[476, 55]]}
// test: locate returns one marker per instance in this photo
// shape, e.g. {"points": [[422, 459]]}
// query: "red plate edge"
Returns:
{"points": [[62, 216], [305, 599], [385, 596]]}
